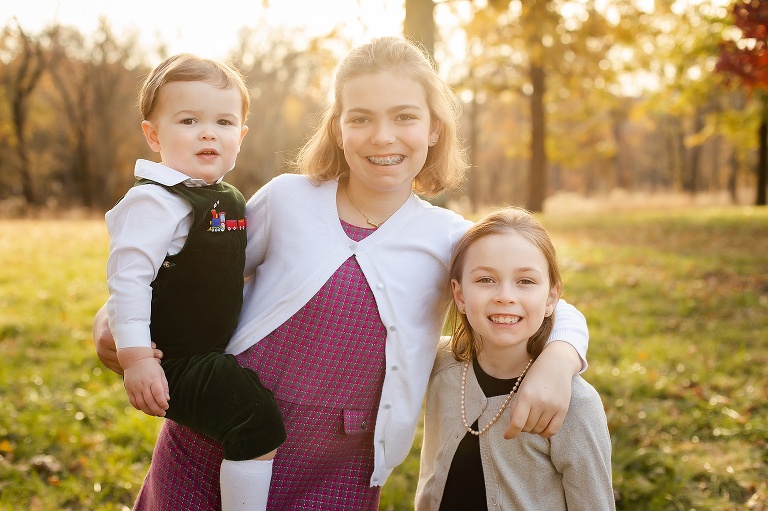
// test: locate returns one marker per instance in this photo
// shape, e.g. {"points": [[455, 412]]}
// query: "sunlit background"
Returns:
{"points": [[211, 29], [562, 98], [637, 128]]}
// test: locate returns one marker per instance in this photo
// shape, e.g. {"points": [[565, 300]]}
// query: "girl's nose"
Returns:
{"points": [[506, 294], [383, 134]]}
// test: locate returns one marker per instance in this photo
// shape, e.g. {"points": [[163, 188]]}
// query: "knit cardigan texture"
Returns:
{"points": [[571, 470]]}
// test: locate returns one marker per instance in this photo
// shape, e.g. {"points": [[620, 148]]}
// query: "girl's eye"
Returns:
{"points": [[485, 280], [526, 282], [359, 120], [187, 121], [405, 117], [225, 122]]}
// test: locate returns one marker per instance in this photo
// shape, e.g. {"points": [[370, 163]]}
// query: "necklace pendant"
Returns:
{"points": [[371, 222]]}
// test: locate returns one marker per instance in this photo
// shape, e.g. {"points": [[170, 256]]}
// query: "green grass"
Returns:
{"points": [[677, 304]]}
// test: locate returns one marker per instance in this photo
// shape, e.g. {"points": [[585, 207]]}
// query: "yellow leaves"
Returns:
{"points": [[6, 446]]}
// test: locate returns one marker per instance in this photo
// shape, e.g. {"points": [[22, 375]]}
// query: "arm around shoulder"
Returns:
{"points": [[581, 452], [571, 327]]}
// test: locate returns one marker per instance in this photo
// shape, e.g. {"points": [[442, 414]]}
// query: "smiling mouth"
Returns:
{"points": [[386, 160], [208, 152], [505, 320]]}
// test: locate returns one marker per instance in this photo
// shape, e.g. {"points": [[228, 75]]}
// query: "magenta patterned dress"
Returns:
{"points": [[326, 368]]}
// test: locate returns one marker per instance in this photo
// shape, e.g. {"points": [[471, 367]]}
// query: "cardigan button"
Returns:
{"points": [[392, 328], [380, 285]]}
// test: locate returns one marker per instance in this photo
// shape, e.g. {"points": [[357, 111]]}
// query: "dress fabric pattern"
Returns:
{"points": [[326, 367]]}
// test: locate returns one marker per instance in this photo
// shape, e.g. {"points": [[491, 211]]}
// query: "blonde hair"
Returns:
{"points": [[464, 343], [321, 158], [186, 67]]}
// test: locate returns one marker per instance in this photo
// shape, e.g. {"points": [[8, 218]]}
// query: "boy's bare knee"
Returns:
{"points": [[268, 456]]}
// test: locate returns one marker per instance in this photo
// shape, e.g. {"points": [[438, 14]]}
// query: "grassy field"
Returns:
{"points": [[677, 304]]}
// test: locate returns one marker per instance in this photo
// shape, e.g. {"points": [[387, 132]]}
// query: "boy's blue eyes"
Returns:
{"points": [[222, 122]]}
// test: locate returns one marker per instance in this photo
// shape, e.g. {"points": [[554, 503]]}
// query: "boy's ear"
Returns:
{"points": [[243, 131], [150, 133]]}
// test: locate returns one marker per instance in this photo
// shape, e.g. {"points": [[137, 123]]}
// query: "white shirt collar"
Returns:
{"points": [[165, 175]]}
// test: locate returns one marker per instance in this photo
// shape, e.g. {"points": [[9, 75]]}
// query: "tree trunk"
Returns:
{"points": [[762, 161], [693, 174], [30, 68], [419, 23], [733, 170], [537, 178], [22, 152]]}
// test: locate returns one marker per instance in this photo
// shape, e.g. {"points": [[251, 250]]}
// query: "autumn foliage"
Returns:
{"points": [[747, 58]]}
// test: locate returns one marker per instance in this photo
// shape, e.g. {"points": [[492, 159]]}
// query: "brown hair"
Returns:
{"points": [[321, 158], [464, 343], [186, 67]]}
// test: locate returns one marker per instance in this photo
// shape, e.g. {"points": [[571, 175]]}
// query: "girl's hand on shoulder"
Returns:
{"points": [[545, 394]]}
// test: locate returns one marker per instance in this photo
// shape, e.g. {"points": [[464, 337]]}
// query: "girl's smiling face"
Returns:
{"points": [[505, 291], [385, 129]]}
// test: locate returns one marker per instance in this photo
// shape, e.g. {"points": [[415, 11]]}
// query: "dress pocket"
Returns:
{"points": [[358, 421]]}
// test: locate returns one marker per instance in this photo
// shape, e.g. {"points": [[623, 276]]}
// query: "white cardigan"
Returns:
{"points": [[296, 243]]}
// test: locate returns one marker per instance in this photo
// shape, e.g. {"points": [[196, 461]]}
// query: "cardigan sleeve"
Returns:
{"points": [[581, 452]]}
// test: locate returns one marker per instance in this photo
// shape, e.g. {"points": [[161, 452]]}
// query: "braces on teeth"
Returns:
{"points": [[387, 160]]}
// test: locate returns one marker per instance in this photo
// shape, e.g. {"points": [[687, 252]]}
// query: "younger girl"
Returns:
{"points": [[506, 283]]}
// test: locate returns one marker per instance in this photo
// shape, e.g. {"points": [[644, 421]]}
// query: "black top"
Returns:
{"points": [[465, 485]]}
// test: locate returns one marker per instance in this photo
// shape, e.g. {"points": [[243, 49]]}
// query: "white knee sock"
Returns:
{"points": [[245, 485]]}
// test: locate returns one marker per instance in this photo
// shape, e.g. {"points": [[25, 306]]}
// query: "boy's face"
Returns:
{"points": [[197, 129]]}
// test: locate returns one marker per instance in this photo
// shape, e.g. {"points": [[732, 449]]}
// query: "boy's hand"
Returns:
{"points": [[105, 343], [545, 394], [145, 380]]}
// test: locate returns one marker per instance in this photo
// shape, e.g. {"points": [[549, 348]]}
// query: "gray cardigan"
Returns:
{"points": [[571, 470]]}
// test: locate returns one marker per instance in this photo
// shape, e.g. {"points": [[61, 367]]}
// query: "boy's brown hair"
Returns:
{"points": [[186, 67]]}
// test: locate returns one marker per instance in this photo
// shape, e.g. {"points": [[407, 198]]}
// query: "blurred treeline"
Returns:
{"points": [[559, 96]]}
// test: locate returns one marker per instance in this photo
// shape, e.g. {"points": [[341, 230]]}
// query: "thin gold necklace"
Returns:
{"points": [[501, 410], [370, 222]]}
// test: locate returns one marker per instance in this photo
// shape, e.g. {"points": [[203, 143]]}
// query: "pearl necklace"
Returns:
{"points": [[501, 410], [368, 220]]}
